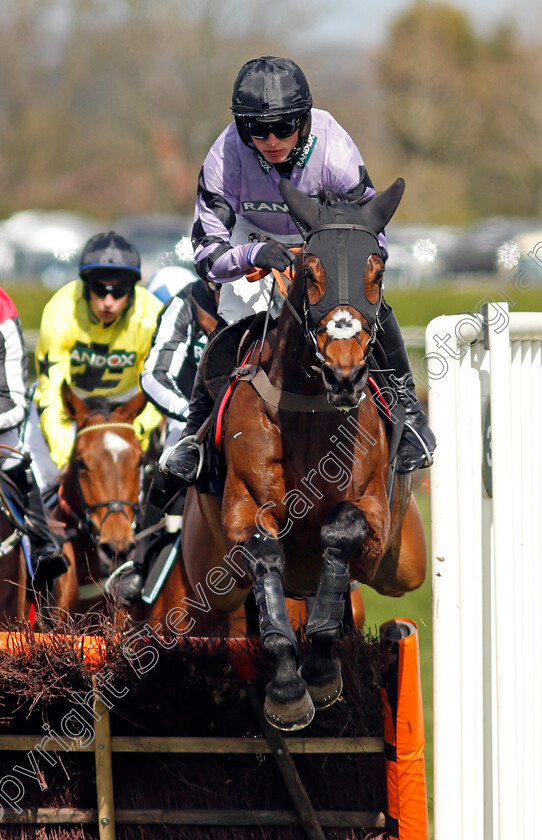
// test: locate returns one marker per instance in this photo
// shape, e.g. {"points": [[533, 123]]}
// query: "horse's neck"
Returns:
{"points": [[293, 360]]}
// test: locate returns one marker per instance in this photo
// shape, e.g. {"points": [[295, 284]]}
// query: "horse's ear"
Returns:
{"points": [[379, 210], [127, 412], [305, 210], [74, 405]]}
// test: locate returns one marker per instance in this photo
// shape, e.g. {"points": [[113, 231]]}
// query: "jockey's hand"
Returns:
{"points": [[274, 255]]}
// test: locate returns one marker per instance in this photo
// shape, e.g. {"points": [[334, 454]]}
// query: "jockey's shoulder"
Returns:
{"points": [[7, 307]]}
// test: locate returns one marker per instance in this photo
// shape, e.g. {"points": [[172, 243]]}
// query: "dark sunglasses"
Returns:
{"points": [[103, 288], [281, 128]]}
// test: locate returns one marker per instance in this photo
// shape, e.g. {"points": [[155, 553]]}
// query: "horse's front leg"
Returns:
{"points": [[342, 536], [288, 705]]}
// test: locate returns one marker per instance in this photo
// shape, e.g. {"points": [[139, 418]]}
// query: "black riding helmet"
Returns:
{"points": [[269, 89], [110, 255]]}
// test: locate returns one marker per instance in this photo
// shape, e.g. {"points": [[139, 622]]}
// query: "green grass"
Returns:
{"points": [[419, 305], [29, 298]]}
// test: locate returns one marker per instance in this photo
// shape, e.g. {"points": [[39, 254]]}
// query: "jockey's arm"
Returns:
{"points": [[168, 353], [13, 364]]}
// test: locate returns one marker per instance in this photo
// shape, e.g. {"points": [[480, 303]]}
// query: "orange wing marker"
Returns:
{"points": [[404, 738]]}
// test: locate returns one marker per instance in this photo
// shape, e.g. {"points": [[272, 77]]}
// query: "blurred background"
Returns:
{"points": [[108, 107]]}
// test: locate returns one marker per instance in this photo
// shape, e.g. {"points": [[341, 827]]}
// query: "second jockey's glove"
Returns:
{"points": [[272, 255]]}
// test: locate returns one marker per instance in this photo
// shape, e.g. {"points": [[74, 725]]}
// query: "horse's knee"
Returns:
{"points": [[344, 529], [262, 555]]}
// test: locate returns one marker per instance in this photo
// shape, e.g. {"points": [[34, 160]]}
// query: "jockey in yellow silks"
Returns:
{"points": [[95, 333]]}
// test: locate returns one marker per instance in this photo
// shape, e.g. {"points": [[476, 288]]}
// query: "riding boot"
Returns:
{"points": [[47, 560], [418, 442], [161, 491], [183, 461]]}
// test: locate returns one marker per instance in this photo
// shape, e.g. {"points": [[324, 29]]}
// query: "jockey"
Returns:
{"points": [[277, 134], [167, 380], [46, 557], [95, 333]]}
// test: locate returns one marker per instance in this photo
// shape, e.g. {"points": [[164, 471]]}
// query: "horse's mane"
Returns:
{"points": [[330, 197]]}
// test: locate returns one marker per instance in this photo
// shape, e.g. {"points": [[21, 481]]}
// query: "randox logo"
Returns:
{"points": [[266, 166], [115, 360], [264, 207], [306, 151]]}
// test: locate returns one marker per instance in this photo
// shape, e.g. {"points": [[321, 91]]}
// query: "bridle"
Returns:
{"points": [[83, 521], [306, 320]]}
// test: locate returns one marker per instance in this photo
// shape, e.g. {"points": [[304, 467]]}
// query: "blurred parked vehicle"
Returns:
{"points": [[521, 260], [161, 239], [418, 253], [43, 245], [477, 247]]}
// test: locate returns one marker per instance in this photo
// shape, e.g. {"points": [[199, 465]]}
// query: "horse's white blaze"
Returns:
{"points": [[114, 444], [343, 325]]}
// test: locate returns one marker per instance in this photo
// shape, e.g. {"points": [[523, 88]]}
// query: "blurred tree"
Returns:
{"points": [[460, 112], [109, 106]]}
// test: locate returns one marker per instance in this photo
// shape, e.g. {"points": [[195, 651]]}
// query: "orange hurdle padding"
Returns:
{"points": [[404, 739], [91, 648]]}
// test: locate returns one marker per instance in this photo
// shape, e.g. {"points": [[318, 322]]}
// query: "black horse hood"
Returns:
{"points": [[343, 235], [375, 214]]}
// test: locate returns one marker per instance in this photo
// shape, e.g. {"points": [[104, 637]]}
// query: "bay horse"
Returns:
{"points": [[98, 497], [305, 509]]}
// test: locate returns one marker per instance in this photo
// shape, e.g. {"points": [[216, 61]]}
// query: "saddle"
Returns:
{"points": [[223, 355], [226, 350]]}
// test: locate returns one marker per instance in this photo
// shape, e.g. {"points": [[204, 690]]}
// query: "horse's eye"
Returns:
{"points": [[309, 276], [379, 277]]}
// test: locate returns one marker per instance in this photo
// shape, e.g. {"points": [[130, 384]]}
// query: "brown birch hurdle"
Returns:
{"points": [[271, 742]]}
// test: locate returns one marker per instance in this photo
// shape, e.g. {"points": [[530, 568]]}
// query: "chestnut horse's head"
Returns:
{"points": [[104, 474], [342, 268]]}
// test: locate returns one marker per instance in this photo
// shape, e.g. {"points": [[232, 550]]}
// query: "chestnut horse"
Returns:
{"points": [[98, 497], [305, 508]]}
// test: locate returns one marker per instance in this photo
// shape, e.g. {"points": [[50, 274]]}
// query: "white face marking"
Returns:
{"points": [[343, 325], [115, 444]]}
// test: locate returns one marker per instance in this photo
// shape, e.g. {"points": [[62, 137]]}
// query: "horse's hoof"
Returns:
{"points": [[325, 695], [289, 716]]}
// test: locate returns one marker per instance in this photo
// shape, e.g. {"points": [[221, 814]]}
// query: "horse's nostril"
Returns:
{"points": [[332, 379], [338, 383], [358, 376]]}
